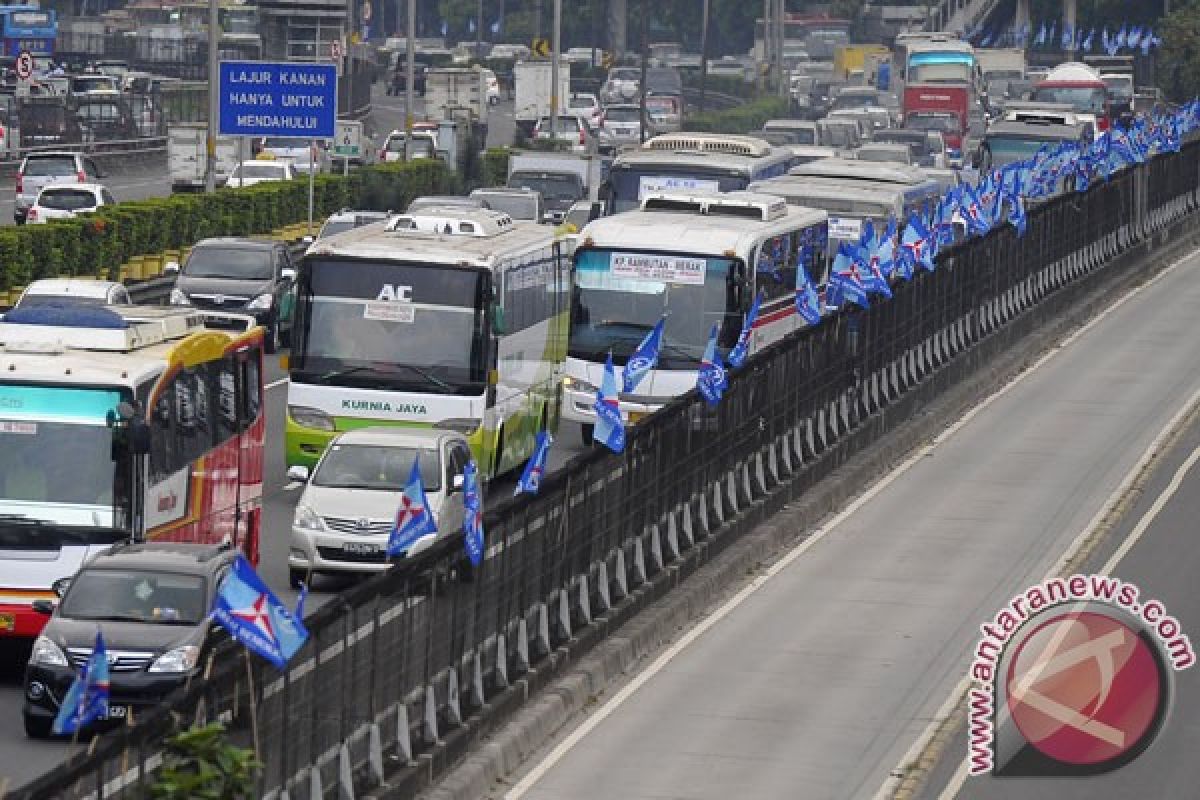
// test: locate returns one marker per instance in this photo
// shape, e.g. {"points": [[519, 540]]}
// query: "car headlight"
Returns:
{"points": [[181, 659], [306, 519], [179, 298], [47, 654], [261, 303], [311, 418], [578, 385]]}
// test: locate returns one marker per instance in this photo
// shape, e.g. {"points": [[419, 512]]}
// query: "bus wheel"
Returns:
{"points": [[587, 433]]}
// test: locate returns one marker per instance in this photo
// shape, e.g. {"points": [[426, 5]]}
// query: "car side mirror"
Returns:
{"points": [[288, 274], [43, 607], [171, 267], [298, 473]]}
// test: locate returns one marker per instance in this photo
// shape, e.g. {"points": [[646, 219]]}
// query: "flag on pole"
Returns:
{"points": [[414, 518], [535, 468], [610, 430], [737, 356], [711, 379], [644, 358], [472, 514], [916, 243], [808, 305], [247, 608], [845, 279], [87, 699]]}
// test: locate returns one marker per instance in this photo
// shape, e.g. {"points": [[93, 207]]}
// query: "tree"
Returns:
{"points": [[1179, 57]]}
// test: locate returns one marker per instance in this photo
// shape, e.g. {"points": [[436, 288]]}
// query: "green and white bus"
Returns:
{"points": [[448, 317]]}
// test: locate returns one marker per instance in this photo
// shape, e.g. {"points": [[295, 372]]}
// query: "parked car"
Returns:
{"points": [[150, 601], [73, 291], [241, 276], [64, 201], [251, 173], [107, 118], [41, 169], [348, 506], [572, 132], [520, 204]]}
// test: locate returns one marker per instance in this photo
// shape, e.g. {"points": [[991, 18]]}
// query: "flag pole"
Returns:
{"points": [[253, 704]]}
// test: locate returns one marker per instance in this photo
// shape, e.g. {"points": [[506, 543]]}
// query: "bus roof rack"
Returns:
{"points": [[744, 204], [727, 143], [56, 328], [453, 221]]}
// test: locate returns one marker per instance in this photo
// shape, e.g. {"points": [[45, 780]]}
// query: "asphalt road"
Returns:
{"points": [[1163, 563], [818, 683], [150, 178]]}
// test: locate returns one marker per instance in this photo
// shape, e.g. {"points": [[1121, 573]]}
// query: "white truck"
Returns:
{"points": [[532, 89], [451, 92], [187, 156], [562, 179]]}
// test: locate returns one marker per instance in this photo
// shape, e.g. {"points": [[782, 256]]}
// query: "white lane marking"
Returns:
{"points": [[587, 726], [274, 384], [893, 781], [956, 782]]}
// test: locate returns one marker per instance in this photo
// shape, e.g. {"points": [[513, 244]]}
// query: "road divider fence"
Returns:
{"points": [[408, 671]]}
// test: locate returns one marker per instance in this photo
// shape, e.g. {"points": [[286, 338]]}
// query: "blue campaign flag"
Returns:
{"points": [[87, 699], [1105, 41], [414, 517], [1135, 36], [472, 514], [1148, 40], [737, 356], [916, 244], [1016, 213], [711, 379], [254, 616], [1087, 40], [300, 601], [845, 279], [535, 468], [610, 429], [1052, 33], [883, 255], [808, 305], [470, 24], [1067, 37], [1040, 39], [644, 358], [972, 210], [1122, 36], [445, 28], [496, 27], [873, 279]]}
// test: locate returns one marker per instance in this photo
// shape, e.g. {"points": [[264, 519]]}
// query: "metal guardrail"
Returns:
{"points": [[110, 153], [398, 664]]}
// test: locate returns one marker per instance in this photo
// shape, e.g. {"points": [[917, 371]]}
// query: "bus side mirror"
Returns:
{"points": [[498, 327]]}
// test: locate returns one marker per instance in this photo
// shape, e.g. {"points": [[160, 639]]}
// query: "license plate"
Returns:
{"points": [[361, 548], [118, 712], [8, 622]]}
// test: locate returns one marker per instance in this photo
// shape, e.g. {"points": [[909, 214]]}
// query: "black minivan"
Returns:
{"points": [[253, 276]]}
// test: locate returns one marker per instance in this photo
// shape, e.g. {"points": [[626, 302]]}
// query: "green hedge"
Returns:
{"points": [[741, 119], [495, 166], [98, 244]]}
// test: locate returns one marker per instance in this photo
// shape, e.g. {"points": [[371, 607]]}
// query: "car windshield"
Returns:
{"points": [[1084, 99], [92, 84], [67, 199], [932, 122], [247, 264], [517, 206], [1008, 149], [167, 598], [804, 135], [378, 467], [854, 100], [583, 102], [49, 166], [622, 114], [32, 300]]}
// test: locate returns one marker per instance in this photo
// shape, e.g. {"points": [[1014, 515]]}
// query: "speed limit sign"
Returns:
{"points": [[25, 65]]}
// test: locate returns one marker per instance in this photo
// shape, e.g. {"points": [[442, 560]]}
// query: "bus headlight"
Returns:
{"points": [[306, 519], [463, 425], [311, 418], [578, 385]]}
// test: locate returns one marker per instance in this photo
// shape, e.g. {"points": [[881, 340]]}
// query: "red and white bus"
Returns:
{"points": [[121, 423]]}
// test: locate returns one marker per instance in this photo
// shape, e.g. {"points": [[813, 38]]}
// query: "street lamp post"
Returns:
{"points": [[410, 56], [214, 99]]}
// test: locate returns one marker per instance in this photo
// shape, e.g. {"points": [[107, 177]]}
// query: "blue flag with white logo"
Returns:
{"points": [[496, 27], [1040, 39], [845, 279], [472, 514], [711, 379], [808, 305], [915, 242], [254, 616], [535, 468], [87, 699], [737, 356], [414, 517], [610, 430], [644, 358]]}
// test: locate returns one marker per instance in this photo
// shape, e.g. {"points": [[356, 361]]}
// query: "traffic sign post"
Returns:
{"points": [[347, 144], [297, 101]]}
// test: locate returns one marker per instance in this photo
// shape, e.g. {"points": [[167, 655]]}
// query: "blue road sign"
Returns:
{"points": [[277, 99]]}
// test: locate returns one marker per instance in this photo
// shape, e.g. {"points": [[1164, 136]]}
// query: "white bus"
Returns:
{"points": [[687, 162], [697, 258], [447, 317]]}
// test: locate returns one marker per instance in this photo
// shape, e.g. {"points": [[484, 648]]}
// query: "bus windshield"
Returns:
{"points": [[620, 295], [631, 184], [1084, 99], [1008, 149], [392, 325], [56, 463]]}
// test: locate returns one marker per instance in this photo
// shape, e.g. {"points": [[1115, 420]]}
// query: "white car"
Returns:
{"points": [[350, 500], [587, 106], [302, 153], [424, 145], [251, 173], [493, 87], [65, 200], [571, 132], [74, 291]]}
